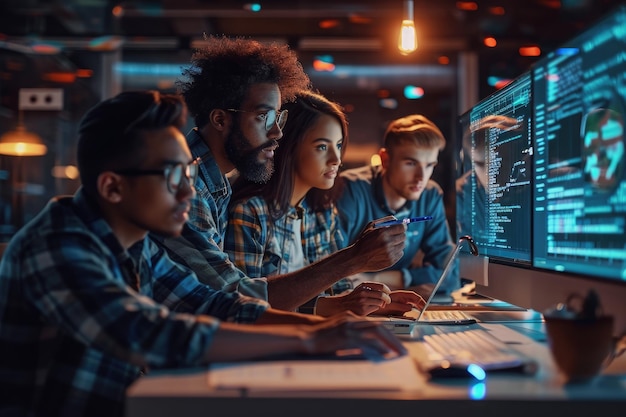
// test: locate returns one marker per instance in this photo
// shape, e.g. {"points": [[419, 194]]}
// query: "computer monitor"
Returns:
{"points": [[494, 186], [580, 188], [578, 182]]}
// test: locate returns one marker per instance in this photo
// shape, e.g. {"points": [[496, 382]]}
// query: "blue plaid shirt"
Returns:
{"points": [[201, 245], [258, 245], [80, 317]]}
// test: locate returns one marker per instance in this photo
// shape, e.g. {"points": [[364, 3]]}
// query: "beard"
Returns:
{"points": [[246, 160]]}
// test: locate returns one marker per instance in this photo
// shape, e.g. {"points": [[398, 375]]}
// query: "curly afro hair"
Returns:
{"points": [[222, 72]]}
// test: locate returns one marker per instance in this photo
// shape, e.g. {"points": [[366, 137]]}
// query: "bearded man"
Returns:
{"points": [[234, 90]]}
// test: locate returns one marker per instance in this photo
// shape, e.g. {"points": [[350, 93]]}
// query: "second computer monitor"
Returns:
{"points": [[494, 191]]}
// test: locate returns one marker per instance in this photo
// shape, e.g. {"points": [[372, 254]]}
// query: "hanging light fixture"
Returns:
{"points": [[407, 42], [21, 142]]}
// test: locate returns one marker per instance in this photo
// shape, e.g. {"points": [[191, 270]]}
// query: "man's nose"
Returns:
{"points": [[275, 132]]}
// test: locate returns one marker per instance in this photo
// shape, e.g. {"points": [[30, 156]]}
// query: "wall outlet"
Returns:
{"points": [[41, 99]]}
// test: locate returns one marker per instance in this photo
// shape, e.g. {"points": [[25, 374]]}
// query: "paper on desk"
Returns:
{"points": [[506, 334], [320, 375]]}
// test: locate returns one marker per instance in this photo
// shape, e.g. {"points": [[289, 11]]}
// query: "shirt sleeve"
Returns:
{"points": [[179, 289], [351, 205], [246, 237], [77, 285], [437, 245], [197, 249]]}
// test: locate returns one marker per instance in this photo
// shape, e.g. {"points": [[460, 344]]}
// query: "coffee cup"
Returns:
{"points": [[580, 347]]}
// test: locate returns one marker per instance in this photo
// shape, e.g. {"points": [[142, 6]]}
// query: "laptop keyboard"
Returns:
{"points": [[444, 315]]}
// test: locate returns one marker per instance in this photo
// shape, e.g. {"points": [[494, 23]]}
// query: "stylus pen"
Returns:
{"points": [[403, 221]]}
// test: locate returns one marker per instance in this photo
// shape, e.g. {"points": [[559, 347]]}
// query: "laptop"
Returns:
{"points": [[405, 324]]}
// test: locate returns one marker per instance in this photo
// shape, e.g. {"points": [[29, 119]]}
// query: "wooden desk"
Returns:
{"points": [[186, 393]]}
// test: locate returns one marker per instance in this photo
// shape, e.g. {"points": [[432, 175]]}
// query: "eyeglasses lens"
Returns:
{"points": [[174, 178], [282, 119], [175, 175], [273, 117]]}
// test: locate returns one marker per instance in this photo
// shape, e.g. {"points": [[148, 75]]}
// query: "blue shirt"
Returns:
{"points": [[80, 317], [259, 244], [200, 247], [363, 200]]}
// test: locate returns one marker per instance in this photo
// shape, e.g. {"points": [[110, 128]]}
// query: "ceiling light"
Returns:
{"points": [[490, 42], [407, 42], [530, 51]]}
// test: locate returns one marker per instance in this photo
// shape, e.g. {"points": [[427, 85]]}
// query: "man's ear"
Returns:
{"points": [[110, 186], [384, 157], [218, 119]]}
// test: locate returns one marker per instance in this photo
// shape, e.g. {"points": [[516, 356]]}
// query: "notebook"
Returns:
{"points": [[397, 374]]}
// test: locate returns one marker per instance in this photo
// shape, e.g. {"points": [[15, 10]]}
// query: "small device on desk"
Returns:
{"points": [[406, 323]]}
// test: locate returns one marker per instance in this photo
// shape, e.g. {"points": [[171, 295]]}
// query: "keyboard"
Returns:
{"points": [[445, 316], [472, 346]]}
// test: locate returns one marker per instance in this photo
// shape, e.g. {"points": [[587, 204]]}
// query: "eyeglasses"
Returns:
{"points": [[270, 117], [173, 174]]}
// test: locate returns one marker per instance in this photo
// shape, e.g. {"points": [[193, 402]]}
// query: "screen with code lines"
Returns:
{"points": [[494, 190], [580, 187]]}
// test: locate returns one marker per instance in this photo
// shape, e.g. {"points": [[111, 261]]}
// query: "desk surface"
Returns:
{"points": [[186, 392]]}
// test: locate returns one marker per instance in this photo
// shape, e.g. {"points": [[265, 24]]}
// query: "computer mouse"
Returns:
{"points": [[456, 370]]}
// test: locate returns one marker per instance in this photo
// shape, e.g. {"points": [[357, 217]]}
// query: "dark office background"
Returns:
{"points": [[91, 50]]}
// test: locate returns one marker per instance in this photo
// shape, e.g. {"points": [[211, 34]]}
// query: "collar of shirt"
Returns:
{"points": [[91, 215], [218, 184], [379, 195]]}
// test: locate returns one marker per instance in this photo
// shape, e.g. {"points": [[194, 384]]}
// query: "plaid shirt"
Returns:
{"points": [[259, 245], [80, 317], [200, 246]]}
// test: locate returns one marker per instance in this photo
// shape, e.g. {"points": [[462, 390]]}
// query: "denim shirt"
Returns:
{"points": [[209, 210]]}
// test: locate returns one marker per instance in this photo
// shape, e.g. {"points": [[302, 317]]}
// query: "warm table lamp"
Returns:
{"points": [[20, 142]]}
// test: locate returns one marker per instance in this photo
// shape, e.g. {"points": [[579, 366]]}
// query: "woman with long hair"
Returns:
{"points": [[291, 220]]}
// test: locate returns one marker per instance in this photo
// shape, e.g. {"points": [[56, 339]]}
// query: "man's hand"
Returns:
{"points": [[366, 298], [379, 248], [401, 302], [348, 333]]}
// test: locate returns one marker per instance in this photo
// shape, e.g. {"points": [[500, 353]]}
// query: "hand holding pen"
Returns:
{"points": [[377, 248], [401, 221]]}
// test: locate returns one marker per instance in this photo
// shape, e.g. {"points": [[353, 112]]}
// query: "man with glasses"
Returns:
{"points": [[174, 173], [234, 90], [88, 303]]}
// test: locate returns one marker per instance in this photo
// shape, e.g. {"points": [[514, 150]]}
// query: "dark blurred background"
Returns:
{"points": [[59, 57]]}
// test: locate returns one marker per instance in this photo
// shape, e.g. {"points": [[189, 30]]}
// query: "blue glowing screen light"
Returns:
{"points": [[567, 51], [412, 92], [476, 371], [253, 7], [477, 391]]}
